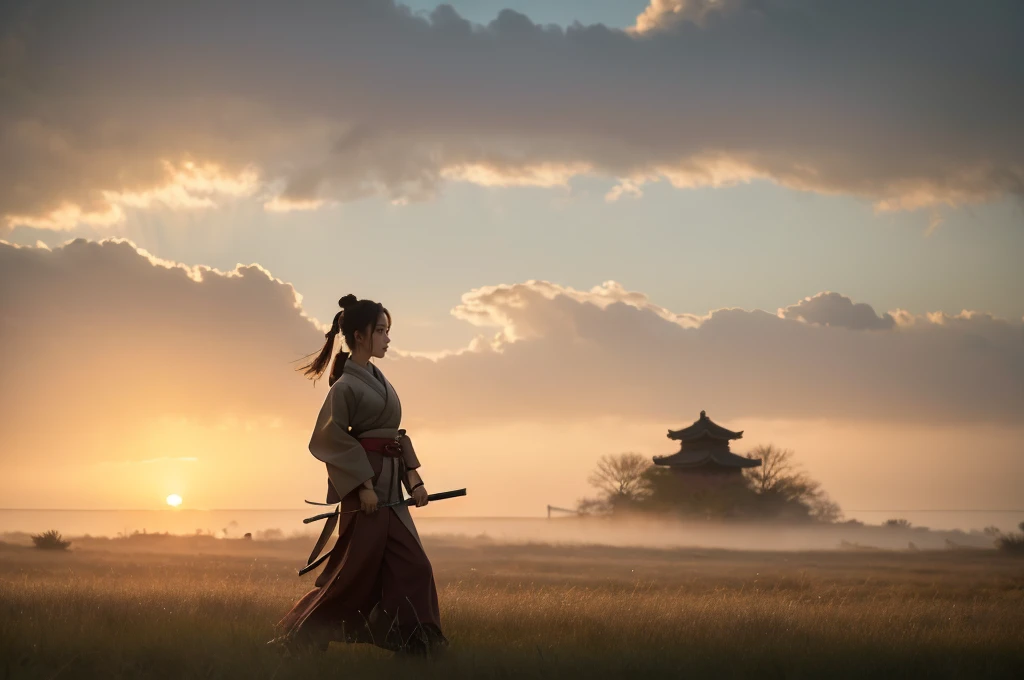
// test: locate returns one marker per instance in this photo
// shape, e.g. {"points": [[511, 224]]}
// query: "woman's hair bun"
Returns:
{"points": [[347, 301]]}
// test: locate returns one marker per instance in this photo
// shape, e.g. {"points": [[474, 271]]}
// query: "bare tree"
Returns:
{"points": [[777, 472], [780, 476], [621, 477]]}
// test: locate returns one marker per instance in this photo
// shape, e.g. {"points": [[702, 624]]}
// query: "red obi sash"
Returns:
{"points": [[382, 445]]}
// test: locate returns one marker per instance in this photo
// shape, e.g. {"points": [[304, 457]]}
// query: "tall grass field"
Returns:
{"points": [[168, 607]]}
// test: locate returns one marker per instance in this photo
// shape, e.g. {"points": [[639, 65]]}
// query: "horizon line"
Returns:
{"points": [[1002, 510], [541, 516]]}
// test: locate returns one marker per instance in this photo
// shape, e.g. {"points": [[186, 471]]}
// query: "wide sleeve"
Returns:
{"points": [[409, 454], [347, 464]]}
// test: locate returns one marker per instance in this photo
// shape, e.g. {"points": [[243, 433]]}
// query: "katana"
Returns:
{"points": [[408, 501], [332, 520]]}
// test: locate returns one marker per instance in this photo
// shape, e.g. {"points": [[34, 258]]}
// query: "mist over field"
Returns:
{"points": [[621, 531]]}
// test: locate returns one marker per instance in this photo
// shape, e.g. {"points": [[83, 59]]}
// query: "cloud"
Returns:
{"points": [[128, 337], [666, 14], [833, 309], [181, 379], [496, 175], [626, 187], [560, 353], [320, 102], [100, 341], [279, 204], [187, 186]]}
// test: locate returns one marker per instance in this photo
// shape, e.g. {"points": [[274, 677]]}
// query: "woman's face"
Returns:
{"points": [[379, 337]]}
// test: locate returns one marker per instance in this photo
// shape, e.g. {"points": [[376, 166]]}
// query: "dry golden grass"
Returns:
{"points": [[533, 610]]}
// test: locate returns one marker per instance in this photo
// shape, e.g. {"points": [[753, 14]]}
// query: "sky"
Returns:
{"points": [[590, 221]]}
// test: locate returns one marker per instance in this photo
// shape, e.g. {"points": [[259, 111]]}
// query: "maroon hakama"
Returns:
{"points": [[377, 586]]}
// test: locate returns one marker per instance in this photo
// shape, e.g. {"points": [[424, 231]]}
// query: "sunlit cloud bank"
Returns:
{"points": [[111, 354]]}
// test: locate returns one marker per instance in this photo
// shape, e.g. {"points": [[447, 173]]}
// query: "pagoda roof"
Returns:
{"points": [[703, 427], [692, 459]]}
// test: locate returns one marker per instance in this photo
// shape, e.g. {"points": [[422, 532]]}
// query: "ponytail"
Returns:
{"points": [[314, 368], [337, 368]]}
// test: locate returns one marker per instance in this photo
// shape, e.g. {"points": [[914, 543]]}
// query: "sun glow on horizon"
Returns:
{"points": [[174, 500]]}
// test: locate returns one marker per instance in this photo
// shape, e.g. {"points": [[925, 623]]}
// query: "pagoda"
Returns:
{"points": [[704, 450]]}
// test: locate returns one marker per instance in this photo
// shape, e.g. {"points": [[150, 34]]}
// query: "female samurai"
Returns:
{"points": [[378, 585]]}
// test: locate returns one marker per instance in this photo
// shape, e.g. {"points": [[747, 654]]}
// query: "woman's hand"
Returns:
{"points": [[419, 494], [368, 500]]}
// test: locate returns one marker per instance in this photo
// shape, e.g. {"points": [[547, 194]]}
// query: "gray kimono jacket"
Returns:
{"points": [[361, 404]]}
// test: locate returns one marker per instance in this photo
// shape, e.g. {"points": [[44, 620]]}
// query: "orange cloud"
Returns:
{"points": [[187, 185], [532, 175], [667, 14], [189, 373]]}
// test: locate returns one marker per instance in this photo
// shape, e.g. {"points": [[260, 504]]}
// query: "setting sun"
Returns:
{"points": [[174, 500]]}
